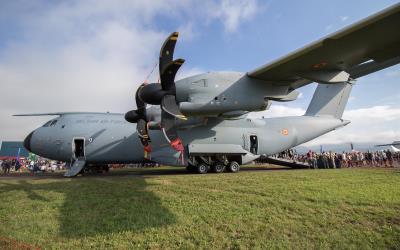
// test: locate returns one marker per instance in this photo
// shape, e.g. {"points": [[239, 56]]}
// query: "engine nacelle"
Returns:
{"points": [[216, 94], [215, 109]]}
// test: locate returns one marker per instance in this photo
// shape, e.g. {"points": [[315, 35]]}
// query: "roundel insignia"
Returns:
{"points": [[285, 131], [90, 139], [320, 65]]}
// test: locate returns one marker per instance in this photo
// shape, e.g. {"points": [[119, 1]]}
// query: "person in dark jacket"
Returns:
{"points": [[17, 165], [6, 166]]}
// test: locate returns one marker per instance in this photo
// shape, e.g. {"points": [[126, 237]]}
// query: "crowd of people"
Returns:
{"points": [[33, 166], [382, 158]]}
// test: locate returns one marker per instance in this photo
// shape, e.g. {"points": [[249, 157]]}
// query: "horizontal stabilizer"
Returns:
{"points": [[395, 143]]}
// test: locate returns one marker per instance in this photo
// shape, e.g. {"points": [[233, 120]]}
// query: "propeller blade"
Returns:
{"points": [[168, 125], [141, 129], [167, 76], [168, 105], [167, 50], [140, 104], [171, 135], [134, 116]]}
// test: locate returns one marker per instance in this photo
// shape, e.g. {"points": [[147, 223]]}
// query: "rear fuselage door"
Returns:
{"points": [[250, 143]]}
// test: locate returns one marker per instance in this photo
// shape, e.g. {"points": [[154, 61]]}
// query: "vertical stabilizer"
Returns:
{"points": [[329, 100]]}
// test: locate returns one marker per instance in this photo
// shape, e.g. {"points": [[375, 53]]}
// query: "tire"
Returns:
{"points": [[202, 168], [233, 167], [218, 167]]}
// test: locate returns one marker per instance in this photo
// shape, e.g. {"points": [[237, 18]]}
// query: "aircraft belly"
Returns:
{"points": [[274, 134], [114, 145]]}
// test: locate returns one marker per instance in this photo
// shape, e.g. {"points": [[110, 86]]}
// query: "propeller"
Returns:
{"points": [[169, 107], [163, 94], [139, 116]]}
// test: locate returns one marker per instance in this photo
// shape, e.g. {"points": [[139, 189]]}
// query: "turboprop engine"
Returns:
{"points": [[220, 94], [162, 94]]}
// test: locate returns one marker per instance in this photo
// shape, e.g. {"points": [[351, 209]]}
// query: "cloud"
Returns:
{"points": [[382, 113], [352, 98], [329, 27], [90, 55], [375, 124], [278, 111], [233, 12], [393, 73], [343, 20], [187, 31]]}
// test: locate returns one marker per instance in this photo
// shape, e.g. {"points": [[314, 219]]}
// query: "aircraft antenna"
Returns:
{"points": [[151, 72]]}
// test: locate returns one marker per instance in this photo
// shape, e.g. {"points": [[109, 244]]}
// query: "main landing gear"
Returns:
{"points": [[205, 164]]}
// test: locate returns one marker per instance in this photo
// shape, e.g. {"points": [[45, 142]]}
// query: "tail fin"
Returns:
{"points": [[329, 100]]}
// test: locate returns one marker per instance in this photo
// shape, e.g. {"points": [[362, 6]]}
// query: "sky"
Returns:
{"points": [[90, 55]]}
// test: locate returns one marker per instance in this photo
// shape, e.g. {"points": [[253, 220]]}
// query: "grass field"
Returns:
{"points": [[253, 209]]}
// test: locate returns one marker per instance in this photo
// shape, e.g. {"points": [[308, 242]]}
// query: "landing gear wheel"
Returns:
{"points": [[233, 167], [202, 168], [218, 167]]}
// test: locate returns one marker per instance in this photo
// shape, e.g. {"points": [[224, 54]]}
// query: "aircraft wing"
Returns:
{"points": [[63, 113], [365, 47]]}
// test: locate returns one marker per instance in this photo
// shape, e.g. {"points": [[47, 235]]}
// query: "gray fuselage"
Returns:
{"points": [[108, 138]]}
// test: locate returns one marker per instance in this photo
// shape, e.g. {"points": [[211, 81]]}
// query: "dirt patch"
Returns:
{"points": [[9, 243]]}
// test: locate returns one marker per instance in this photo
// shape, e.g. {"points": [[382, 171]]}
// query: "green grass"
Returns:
{"points": [[340, 209]]}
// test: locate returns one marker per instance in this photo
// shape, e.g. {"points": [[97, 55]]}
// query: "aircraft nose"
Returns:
{"points": [[27, 141]]}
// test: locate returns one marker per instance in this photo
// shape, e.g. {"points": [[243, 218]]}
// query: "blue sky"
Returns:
{"points": [[97, 52]]}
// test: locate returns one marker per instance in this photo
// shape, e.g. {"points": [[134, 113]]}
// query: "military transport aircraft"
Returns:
{"points": [[200, 121], [395, 146]]}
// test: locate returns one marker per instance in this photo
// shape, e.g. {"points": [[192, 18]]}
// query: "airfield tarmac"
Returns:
{"points": [[170, 208]]}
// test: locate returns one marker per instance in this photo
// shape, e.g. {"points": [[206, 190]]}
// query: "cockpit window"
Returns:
{"points": [[47, 124], [50, 123]]}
